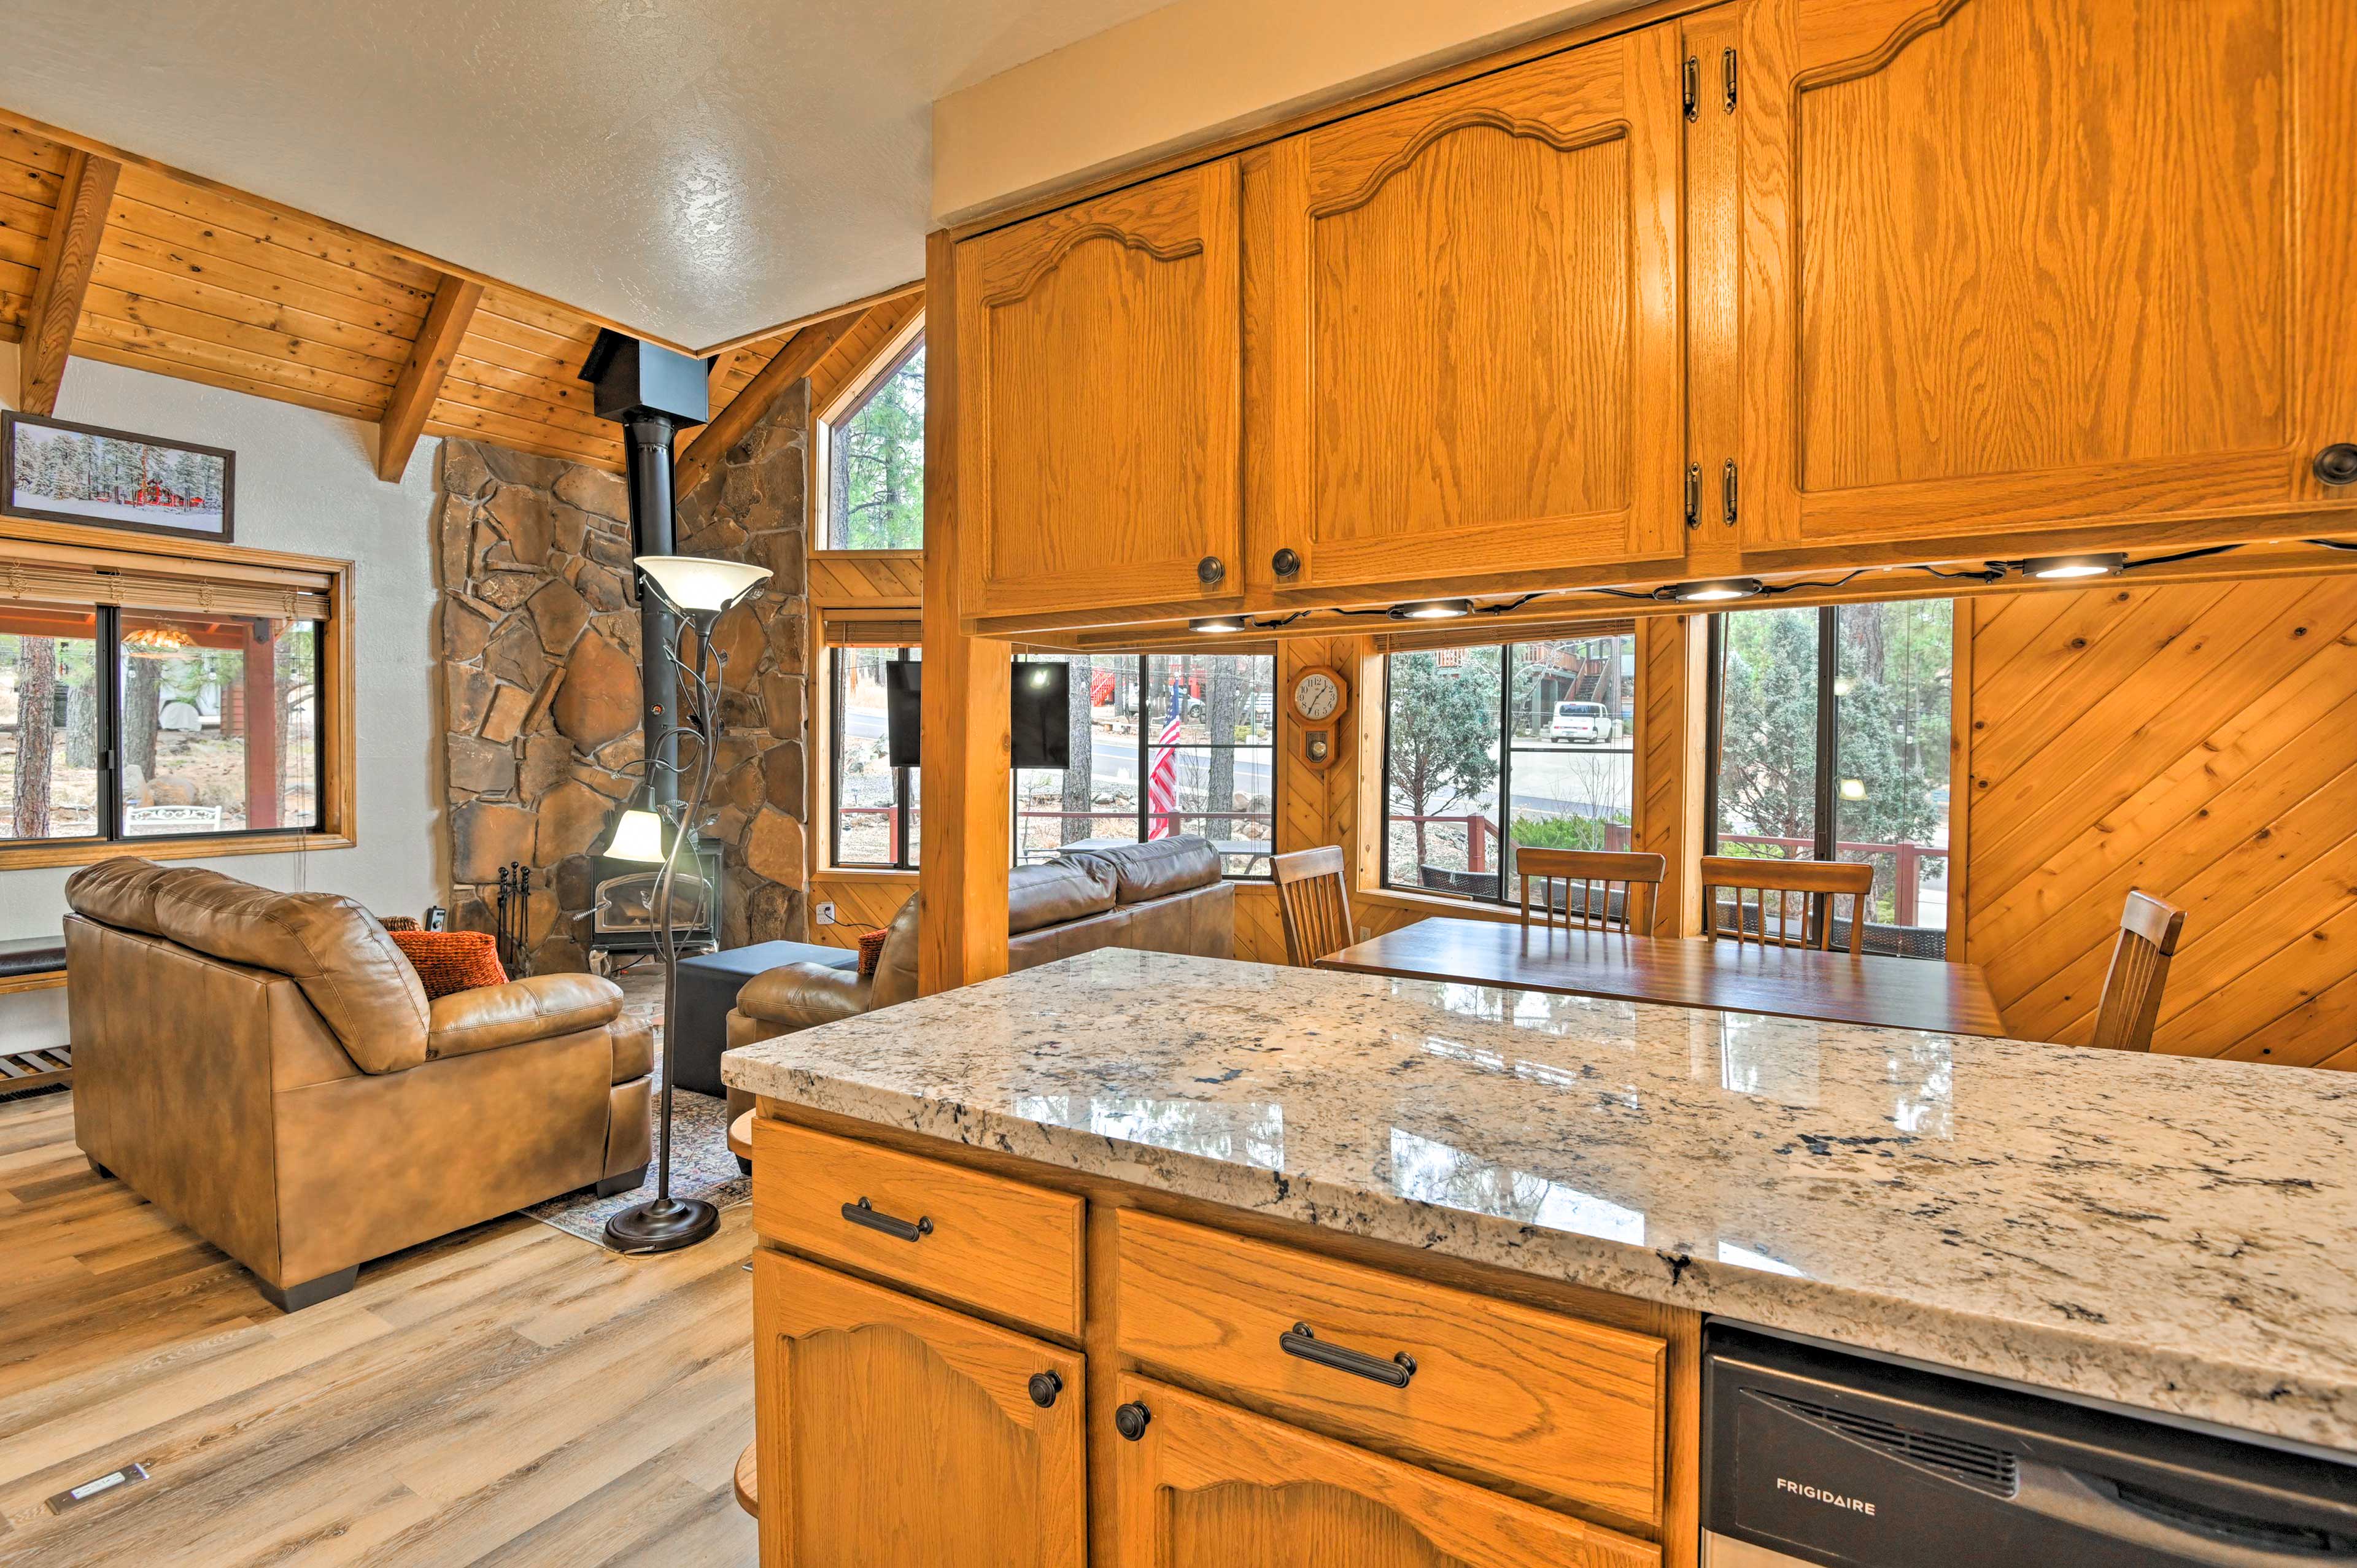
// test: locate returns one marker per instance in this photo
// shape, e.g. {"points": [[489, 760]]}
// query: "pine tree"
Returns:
{"points": [[1443, 732], [37, 696]]}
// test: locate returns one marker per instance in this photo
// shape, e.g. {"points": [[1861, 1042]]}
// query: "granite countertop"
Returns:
{"points": [[2167, 1232]]}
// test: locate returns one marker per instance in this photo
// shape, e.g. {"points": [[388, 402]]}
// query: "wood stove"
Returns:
{"points": [[621, 908]]}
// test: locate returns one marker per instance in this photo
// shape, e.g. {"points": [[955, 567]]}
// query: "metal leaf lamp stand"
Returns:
{"points": [[662, 1222]]}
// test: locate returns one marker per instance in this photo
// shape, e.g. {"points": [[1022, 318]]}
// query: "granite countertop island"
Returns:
{"points": [[2165, 1232]]}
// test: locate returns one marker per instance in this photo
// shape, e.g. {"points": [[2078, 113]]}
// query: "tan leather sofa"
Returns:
{"points": [[1166, 895], [265, 1068]]}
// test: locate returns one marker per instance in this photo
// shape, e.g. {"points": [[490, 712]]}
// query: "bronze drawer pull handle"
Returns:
{"points": [[1393, 1373], [865, 1213]]}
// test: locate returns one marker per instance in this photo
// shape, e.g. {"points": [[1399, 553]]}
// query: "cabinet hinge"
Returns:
{"points": [[1694, 87], [1727, 492], [1726, 69], [1693, 495]]}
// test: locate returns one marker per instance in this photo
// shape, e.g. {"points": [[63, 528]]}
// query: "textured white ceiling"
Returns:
{"points": [[694, 168]]}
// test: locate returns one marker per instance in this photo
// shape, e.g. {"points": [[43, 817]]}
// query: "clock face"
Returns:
{"points": [[1316, 696]]}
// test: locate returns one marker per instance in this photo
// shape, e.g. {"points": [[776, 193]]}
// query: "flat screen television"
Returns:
{"points": [[904, 712], [1039, 716], [1039, 706]]}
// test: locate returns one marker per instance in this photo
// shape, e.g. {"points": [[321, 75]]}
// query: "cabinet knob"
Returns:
{"points": [[2336, 464], [1210, 570], [1130, 1420], [1286, 563], [1044, 1387]]}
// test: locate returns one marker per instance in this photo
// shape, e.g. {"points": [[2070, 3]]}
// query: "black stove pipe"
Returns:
{"points": [[653, 393]]}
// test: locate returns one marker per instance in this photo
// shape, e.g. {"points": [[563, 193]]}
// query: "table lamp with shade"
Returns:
{"points": [[651, 830]]}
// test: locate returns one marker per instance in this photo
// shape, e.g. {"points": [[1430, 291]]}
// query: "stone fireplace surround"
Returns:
{"points": [[539, 636]]}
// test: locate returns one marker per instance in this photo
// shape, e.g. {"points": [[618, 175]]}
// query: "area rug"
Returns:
{"points": [[701, 1164]]}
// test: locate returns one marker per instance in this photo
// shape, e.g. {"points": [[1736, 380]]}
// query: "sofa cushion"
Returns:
{"points": [[1059, 891], [333, 949], [1155, 869], [118, 893], [539, 1007]]}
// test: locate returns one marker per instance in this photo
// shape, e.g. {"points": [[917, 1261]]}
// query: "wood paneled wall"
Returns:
{"points": [[2197, 742]]}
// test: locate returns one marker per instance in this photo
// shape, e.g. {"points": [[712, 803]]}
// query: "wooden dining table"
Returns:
{"points": [[1789, 982]]}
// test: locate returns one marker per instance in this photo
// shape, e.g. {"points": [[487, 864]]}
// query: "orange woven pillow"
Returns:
{"points": [[452, 961], [871, 951]]}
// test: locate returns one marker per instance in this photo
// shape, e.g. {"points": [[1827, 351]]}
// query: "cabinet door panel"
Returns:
{"points": [[2026, 264], [1473, 366], [1210, 1486], [891, 1431], [1099, 400]]}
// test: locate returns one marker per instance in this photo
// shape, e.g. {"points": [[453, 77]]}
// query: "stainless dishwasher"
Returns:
{"points": [[1813, 1456]]}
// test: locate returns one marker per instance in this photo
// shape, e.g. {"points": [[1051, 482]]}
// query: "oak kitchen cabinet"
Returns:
{"points": [[1464, 315], [929, 1392], [2015, 266], [1099, 415], [1844, 281]]}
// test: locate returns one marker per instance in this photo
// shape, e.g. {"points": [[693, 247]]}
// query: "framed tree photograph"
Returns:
{"points": [[111, 479]]}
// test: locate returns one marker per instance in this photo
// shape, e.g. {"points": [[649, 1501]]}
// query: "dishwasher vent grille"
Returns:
{"points": [[1976, 1465]]}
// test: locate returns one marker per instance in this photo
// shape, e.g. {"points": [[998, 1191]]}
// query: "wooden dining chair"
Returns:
{"points": [[1314, 899], [1813, 880], [1596, 872], [2131, 1006]]}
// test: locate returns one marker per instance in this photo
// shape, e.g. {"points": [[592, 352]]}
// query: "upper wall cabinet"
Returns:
{"points": [[2032, 267], [1464, 328], [1099, 406]]}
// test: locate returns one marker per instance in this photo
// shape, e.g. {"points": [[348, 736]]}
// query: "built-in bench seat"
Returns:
{"points": [[33, 963]]}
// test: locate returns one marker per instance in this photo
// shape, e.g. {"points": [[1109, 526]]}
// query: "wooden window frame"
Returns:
{"points": [[1146, 747], [197, 564], [904, 787], [886, 362], [1436, 641]]}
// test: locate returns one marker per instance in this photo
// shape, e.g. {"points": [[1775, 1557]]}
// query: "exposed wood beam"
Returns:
{"points": [[420, 378], [91, 145], [728, 426], [67, 261], [849, 307]]}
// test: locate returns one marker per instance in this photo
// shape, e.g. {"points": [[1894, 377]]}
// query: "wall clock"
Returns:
{"points": [[1322, 700]]}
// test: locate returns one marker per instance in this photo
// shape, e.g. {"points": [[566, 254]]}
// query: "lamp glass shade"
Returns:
{"points": [[699, 582], [639, 836]]}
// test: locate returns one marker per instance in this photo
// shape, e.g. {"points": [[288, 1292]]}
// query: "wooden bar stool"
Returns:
{"points": [[1597, 872]]}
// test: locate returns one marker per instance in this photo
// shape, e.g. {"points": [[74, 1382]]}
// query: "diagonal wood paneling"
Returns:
{"points": [[2198, 743], [862, 904], [879, 577]]}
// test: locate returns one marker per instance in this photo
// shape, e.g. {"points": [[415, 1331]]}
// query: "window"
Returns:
{"points": [[1199, 729], [1831, 743], [1543, 728], [875, 460], [876, 804], [147, 724]]}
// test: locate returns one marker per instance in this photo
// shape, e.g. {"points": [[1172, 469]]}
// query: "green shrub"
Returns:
{"points": [[1563, 832]]}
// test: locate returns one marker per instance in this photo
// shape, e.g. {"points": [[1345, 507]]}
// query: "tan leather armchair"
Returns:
{"points": [[1166, 895], [265, 1068]]}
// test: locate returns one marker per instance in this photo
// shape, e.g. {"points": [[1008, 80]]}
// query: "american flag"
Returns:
{"points": [[1162, 780]]}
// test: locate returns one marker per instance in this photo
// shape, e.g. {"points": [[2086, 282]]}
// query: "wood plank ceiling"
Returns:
{"points": [[207, 285]]}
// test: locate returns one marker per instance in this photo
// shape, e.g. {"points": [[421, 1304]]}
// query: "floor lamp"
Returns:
{"points": [[698, 591]]}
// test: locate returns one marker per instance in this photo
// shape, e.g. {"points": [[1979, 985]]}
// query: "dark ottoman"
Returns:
{"points": [[707, 989]]}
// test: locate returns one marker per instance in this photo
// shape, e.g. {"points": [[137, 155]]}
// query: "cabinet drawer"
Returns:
{"points": [[1571, 1407], [995, 1244]]}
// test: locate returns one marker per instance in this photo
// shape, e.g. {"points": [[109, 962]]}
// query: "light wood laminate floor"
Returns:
{"points": [[508, 1395]]}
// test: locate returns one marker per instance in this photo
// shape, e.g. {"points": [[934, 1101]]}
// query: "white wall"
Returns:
{"points": [[1195, 71], [306, 482]]}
